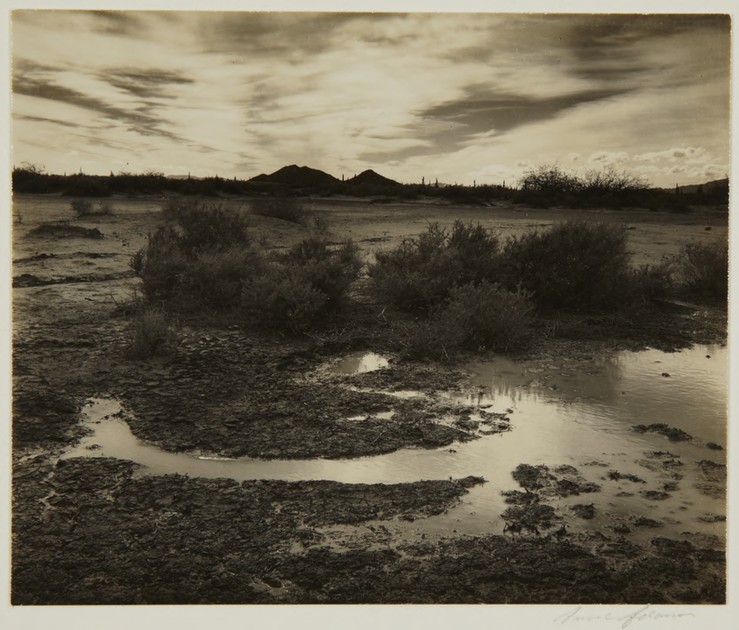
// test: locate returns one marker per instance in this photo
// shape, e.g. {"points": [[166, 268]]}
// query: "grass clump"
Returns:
{"points": [[703, 270], [421, 272], [151, 334]]}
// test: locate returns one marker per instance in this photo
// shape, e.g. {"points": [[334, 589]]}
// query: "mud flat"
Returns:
{"points": [[370, 478]]}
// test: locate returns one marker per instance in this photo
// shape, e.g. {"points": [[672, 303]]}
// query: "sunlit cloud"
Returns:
{"points": [[461, 97]]}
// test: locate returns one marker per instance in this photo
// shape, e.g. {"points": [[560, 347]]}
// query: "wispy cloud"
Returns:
{"points": [[457, 96]]}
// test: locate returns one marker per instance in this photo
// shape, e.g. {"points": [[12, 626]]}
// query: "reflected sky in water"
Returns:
{"points": [[560, 415]]}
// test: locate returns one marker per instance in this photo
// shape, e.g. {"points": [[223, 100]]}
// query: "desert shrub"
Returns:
{"points": [[81, 207], [85, 208], [703, 270], [329, 270], [486, 315], [161, 265], [285, 208], [151, 334], [651, 283], [214, 279], [281, 299], [206, 226], [421, 272], [574, 266], [297, 287], [474, 317]]}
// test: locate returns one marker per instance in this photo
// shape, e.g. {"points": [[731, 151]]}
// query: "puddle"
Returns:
{"points": [[563, 417], [359, 363], [381, 415]]}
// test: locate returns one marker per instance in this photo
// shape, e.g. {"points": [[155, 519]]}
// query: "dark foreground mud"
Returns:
{"points": [[90, 532], [93, 531]]}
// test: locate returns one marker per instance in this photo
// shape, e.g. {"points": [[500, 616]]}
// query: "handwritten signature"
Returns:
{"points": [[624, 620]]}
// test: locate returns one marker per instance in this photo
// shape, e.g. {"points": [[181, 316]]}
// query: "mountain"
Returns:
{"points": [[713, 186], [297, 177], [369, 177]]}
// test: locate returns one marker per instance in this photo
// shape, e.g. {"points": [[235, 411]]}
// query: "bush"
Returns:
{"points": [[703, 270], [285, 208], [281, 299], [475, 317], [151, 334], [420, 273], [330, 271], [214, 280], [652, 283], [85, 208], [488, 316], [206, 226], [160, 265], [573, 266], [202, 259], [81, 207], [295, 288]]}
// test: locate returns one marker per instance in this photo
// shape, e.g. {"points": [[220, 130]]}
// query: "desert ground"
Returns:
{"points": [[253, 467]]}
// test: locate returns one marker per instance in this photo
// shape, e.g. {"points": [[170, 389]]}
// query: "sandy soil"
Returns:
{"points": [[94, 531]]}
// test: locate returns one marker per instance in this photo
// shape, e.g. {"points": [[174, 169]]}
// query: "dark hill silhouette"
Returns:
{"points": [[296, 176], [707, 187], [369, 177]]}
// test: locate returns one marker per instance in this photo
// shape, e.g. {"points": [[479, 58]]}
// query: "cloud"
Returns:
{"points": [[608, 157], [671, 154], [145, 84], [141, 123], [459, 96]]}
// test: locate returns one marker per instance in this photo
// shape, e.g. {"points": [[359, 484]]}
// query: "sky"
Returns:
{"points": [[461, 98]]}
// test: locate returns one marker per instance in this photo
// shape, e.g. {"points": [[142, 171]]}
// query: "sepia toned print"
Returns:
{"points": [[383, 308]]}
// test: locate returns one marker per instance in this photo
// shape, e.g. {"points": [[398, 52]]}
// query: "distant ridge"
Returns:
{"points": [[707, 187], [369, 177], [296, 176]]}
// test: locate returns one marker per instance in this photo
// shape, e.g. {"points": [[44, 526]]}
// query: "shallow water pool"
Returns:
{"points": [[559, 415]]}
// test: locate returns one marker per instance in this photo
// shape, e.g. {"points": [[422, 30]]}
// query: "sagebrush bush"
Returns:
{"points": [[214, 279], [203, 258], [298, 287], [475, 316], [281, 299], [285, 208], [151, 334], [161, 265], [573, 266], [85, 208], [206, 226], [652, 283], [703, 270], [329, 270], [486, 315], [421, 272]]}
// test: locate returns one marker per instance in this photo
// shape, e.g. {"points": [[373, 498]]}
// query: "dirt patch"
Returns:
{"points": [[64, 230], [584, 510], [112, 538], [562, 481], [26, 280], [617, 476], [671, 433]]}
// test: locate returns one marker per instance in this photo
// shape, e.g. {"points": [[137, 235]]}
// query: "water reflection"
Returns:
{"points": [[585, 421], [359, 363]]}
